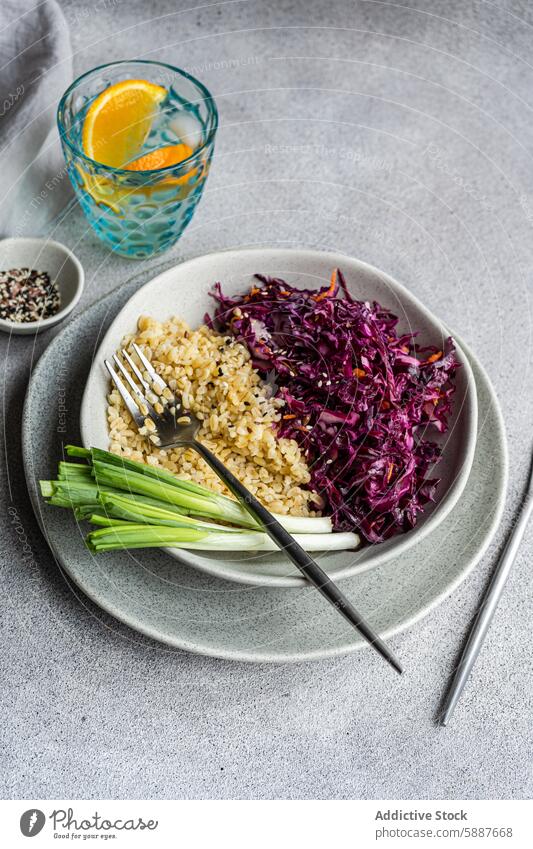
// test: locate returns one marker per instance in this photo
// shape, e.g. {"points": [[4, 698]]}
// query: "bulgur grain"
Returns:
{"points": [[238, 413]]}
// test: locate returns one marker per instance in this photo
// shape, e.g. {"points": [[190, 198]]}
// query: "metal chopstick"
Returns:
{"points": [[488, 605]]}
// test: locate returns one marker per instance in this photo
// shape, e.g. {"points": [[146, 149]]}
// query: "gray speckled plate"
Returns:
{"points": [[184, 290], [182, 607]]}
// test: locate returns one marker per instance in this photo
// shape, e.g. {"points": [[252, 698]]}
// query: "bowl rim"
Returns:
{"points": [[405, 541], [41, 324], [78, 151]]}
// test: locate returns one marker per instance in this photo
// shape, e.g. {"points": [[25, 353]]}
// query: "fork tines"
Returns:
{"points": [[151, 402]]}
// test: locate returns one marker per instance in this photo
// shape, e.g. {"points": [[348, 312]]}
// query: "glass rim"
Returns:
{"points": [[79, 152]]}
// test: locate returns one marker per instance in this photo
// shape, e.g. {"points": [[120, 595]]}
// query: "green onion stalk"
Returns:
{"points": [[156, 536], [134, 505], [122, 473]]}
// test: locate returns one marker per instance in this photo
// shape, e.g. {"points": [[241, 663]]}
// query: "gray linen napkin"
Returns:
{"points": [[35, 70]]}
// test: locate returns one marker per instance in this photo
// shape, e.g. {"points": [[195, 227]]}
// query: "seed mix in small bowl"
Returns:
{"points": [[27, 295]]}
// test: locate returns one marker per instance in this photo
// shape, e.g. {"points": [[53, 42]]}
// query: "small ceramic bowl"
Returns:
{"points": [[62, 266]]}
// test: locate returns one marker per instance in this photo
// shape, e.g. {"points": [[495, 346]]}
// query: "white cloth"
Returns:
{"points": [[35, 70]]}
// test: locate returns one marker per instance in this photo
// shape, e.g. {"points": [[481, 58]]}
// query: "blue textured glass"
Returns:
{"points": [[141, 213]]}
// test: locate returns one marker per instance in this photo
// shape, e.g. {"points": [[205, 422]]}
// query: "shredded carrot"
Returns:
{"points": [[359, 372], [384, 405], [284, 292], [434, 357], [289, 416], [329, 292], [390, 471], [253, 291]]}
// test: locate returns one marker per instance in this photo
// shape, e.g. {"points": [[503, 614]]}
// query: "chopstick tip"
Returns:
{"points": [[444, 718], [395, 664]]}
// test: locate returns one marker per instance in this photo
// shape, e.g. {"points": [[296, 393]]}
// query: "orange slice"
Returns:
{"points": [[171, 154], [119, 119]]}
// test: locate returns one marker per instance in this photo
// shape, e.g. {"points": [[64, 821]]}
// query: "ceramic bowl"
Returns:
{"points": [[61, 265], [184, 290]]}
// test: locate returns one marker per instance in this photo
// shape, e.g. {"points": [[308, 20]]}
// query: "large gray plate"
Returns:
{"points": [[190, 610]]}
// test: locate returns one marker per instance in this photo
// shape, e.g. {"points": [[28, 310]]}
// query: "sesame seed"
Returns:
{"points": [[27, 295]]}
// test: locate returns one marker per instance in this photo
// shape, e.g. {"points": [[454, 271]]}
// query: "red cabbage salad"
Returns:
{"points": [[360, 399]]}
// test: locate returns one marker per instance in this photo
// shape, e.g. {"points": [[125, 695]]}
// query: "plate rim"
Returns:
{"points": [[404, 543], [238, 655]]}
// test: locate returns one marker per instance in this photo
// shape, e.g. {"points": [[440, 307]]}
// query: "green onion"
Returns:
{"points": [[47, 488], [255, 541], [124, 507], [212, 507], [135, 505], [105, 521], [72, 493], [219, 506], [150, 536], [78, 451], [99, 455], [141, 536]]}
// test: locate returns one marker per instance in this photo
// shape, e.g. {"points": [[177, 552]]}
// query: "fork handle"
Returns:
{"points": [[312, 571]]}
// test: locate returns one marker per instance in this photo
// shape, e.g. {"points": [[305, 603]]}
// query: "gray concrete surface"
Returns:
{"points": [[401, 134]]}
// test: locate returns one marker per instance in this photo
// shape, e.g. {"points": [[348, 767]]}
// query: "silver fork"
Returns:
{"points": [[170, 426]]}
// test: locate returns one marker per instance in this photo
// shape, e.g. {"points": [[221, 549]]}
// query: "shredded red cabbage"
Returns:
{"points": [[358, 397]]}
